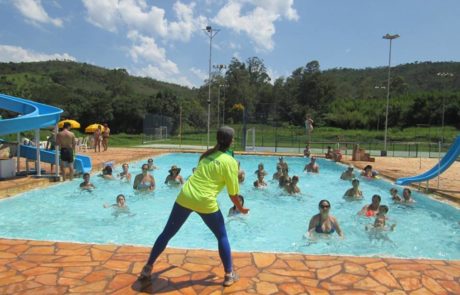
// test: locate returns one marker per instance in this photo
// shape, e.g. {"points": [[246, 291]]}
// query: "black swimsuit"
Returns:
{"points": [[67, 155]]}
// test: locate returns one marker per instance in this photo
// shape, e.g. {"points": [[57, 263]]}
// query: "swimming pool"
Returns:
{"points": [[276, 222]]}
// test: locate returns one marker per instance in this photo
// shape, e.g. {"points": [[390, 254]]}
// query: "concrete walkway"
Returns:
{"points": [[34, 267]]}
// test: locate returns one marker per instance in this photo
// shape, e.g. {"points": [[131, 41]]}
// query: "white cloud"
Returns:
{"points": [[18, 54], [35, 13], [199, 73], [145, 51], [258, 23], [138, 15]]}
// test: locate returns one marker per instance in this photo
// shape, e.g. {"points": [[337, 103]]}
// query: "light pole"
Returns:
{"points": [[219, 68], [210, 32], [378, 116], [446, 75], [388, 37]]}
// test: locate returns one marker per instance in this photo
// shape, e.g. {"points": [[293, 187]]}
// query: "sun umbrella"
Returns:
{"points": [[74, 124], [93, 127]]}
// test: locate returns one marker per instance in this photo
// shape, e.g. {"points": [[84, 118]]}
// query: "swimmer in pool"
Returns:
{"points": [[86, 184], [380, 220], [372, 208], [394, 195], [233, 210], [260, 182], [144, 181], [354, 193], [324, 223]]}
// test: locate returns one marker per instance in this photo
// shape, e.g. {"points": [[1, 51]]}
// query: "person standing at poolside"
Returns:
{"points": [[66, 141], [105, 137], [97, 139], [215, 170]]}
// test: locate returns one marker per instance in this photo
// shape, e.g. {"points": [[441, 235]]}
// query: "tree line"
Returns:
{"points": [[345, 98]]}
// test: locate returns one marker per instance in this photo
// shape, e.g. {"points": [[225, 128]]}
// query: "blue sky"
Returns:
{"points": [[164, 39]]}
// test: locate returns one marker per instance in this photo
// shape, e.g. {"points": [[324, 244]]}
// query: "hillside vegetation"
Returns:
{"points": [[343, 98]]}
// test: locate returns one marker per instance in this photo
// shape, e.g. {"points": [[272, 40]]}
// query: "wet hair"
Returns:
{"points": [[224, 139], [384, 208], [242, 202], [107, 170], [355, 180], [322, 201], [124, 164], [145, 165], [377, 196], [85, 174], [295, 177], [408, 190], [367, 167], [393, 190], [121, 196], [150, 160]]}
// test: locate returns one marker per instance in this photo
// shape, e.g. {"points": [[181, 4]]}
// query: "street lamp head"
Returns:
{"points": [[208, 28], [390, 37]]}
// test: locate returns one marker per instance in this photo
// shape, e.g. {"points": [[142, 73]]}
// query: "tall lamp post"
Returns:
{"points": [[446, 75], [211, 33], [219, 68], [391, 38], [378, 117]]}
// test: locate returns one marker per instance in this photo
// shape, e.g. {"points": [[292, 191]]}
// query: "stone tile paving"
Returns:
{"points": [[41, 267]]}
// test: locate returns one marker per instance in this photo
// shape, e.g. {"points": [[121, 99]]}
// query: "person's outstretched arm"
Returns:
{"points": [[236, 202]]}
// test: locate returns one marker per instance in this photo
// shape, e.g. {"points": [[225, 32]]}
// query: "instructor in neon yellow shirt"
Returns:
{"points": [[215, 170]]}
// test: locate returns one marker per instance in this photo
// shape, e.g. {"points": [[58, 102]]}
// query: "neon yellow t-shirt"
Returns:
{"points": [[214, 172]]}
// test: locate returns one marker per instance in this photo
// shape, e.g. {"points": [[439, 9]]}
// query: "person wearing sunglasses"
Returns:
{"points": [[324, 223]]}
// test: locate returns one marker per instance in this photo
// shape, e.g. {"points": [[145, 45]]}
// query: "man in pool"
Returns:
{"points": [[215, 170], [86, 184], [66, 142]]}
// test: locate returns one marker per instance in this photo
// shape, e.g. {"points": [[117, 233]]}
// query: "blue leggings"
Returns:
{"points": [[178, 216]]}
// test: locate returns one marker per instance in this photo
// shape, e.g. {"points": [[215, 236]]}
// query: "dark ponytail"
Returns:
{"points": [[224, 140]]}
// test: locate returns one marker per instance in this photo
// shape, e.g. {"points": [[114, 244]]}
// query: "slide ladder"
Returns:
{"points": [[449, 158]]}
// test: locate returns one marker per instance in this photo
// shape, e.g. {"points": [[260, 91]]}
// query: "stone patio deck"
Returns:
{"points": [[36, 267]]}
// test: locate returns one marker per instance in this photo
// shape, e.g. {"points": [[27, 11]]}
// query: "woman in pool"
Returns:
{"points": [[278, 173], [125, 175], [260, 182], [144, 181], [260, 169], [241, 174], [373, 208], [86, 184], [292, 187], [215, 170], [407, 197], [151, 165], [368, 172], [174, 179], [120, 207], [234, 211], [324, 223], [107, 173], [394, 195], [312, 167], [354, 193], [348, 174]]}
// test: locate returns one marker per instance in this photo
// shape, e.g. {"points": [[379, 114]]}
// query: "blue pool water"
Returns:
{"points": [[277, 222]]}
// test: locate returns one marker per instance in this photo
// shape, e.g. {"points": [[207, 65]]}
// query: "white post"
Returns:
{"points": [[18, 152], [56, 154], [439, 161], [37, 146]]}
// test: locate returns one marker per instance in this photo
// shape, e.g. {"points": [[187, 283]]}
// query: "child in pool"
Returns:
{"points": [[86, 184], [234, 211], [380, 219], [120, 206]]}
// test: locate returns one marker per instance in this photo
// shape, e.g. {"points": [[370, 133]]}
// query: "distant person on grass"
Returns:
{"points": [[66, 141], [215, 170]]}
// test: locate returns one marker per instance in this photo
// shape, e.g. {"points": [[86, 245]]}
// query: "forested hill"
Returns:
{"points": [[346, 98]]}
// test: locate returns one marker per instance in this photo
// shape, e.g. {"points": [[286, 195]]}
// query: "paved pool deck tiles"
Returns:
{"points": [[40, 267]]}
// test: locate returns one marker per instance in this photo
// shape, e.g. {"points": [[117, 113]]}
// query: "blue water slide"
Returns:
{"points": [[449, 158], [82, 164], [35, 115]]}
